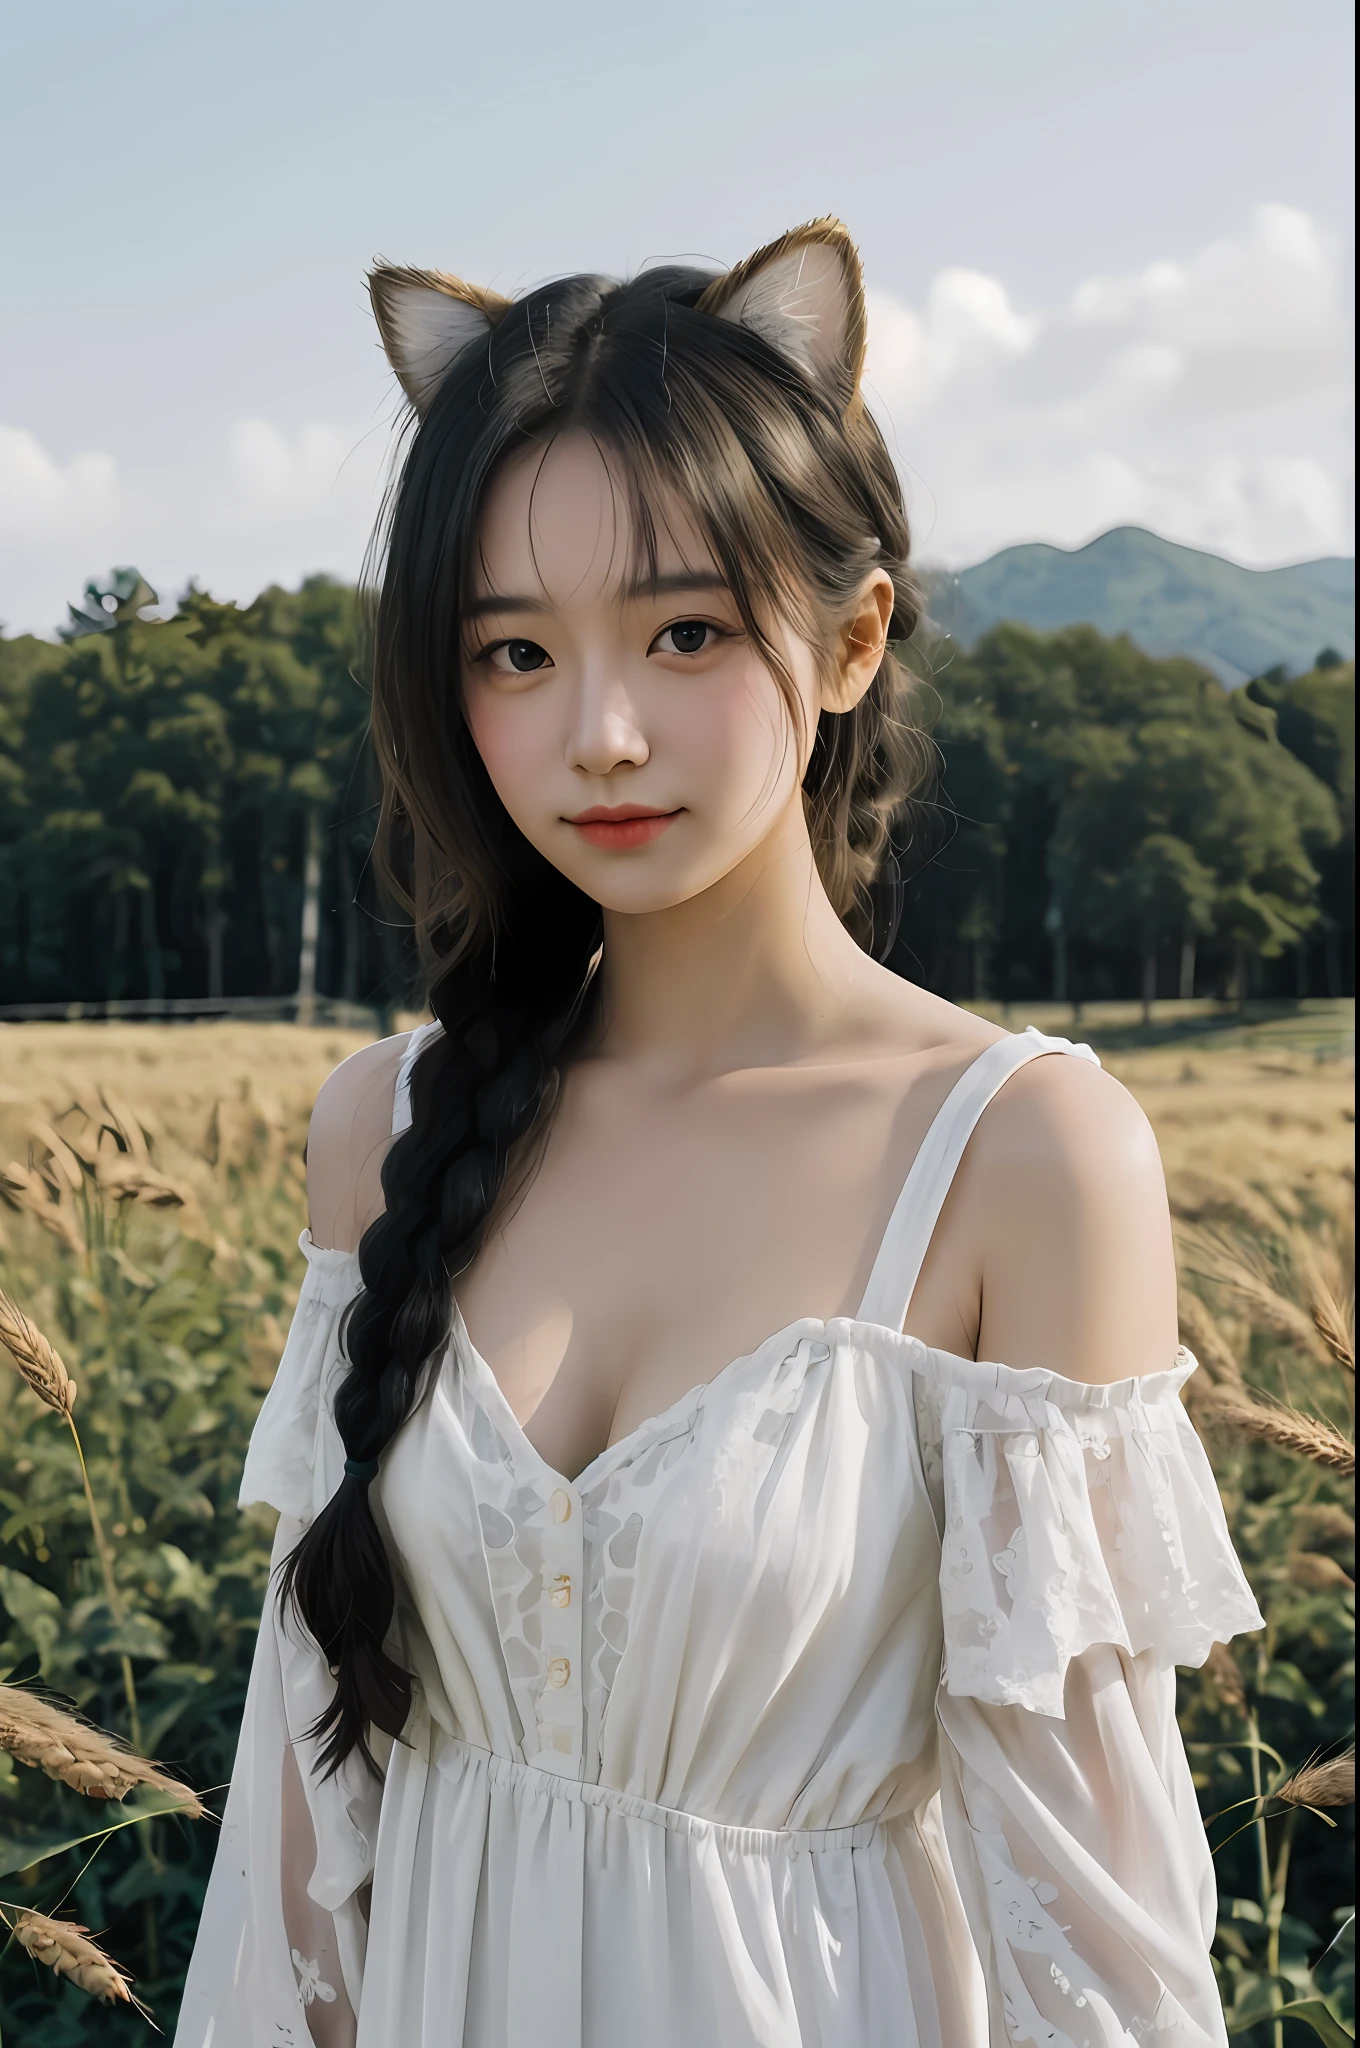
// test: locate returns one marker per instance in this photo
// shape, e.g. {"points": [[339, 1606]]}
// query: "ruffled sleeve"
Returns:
{"points": [[1084, 1554], [295, 1459], [279, 1955], [1072, 1515]]}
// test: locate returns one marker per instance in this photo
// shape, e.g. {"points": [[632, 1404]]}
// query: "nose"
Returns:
{"points": [[606, 732]]}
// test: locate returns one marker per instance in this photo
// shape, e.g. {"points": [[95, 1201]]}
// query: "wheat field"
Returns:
{"points": [[151, 1191], [1273, 1100]]}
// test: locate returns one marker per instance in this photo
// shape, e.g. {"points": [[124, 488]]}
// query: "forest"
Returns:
{"points": [[1101, 824]]}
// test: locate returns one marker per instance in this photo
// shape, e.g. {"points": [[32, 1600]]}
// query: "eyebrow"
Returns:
{"points": [[646, 586]]}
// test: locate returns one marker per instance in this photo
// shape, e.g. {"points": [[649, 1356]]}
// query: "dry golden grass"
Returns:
{"points": [[1251, 1129], [65, 1947], [199, 1090], [1328, 1784], [84, 1757], [1308, 1436], [1251, 1118], [40, 1366]]}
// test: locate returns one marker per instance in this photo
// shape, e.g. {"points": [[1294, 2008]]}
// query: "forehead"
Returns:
{"points": [[558, 523]]}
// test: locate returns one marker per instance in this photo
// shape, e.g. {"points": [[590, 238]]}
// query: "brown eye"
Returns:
{"points": [[689, 636], [520, 656]]}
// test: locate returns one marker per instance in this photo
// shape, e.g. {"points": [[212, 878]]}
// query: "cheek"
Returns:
{"points": [[737, 734], [513, 746]]}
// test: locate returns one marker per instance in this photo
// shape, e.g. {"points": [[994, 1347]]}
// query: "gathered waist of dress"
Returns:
{"points": [[457, 1760]]}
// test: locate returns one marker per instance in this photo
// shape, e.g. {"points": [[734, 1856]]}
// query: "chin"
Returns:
{"points": [[639, 894]]}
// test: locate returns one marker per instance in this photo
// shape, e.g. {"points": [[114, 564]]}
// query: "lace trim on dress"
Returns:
{"points": [[1071, 1515]]}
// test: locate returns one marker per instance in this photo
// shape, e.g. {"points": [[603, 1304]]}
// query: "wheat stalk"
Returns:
{"points": [[1222, 1671], [124, 1122], [1206, 1340], [129, 1179], [61, 1163], [1333, 1320], [1269, 1309], [1329, 1784], [84, 1757], [38, 1362], [1324, 1521], [66, 1948], [25, 1189], [1287, 1428], [1316, 1572], [1200, 1195], [42, 1368]]}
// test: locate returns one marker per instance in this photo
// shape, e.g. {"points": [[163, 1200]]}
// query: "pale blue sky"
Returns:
{"points": [[192, 195]]}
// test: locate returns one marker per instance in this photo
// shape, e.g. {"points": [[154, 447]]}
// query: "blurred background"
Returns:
{"points": [[1108, 253]]}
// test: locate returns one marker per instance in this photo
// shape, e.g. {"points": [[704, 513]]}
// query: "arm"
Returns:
{"points": [[347, 1142], [1067, 1201], [1082, 1560]]}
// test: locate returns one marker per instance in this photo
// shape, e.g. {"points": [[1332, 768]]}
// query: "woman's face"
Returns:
{"points": [[632, 731]]}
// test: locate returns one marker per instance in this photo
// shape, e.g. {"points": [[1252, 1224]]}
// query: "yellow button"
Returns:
{"points": [[560, 1596], [560, 1504], [559, 1671]]}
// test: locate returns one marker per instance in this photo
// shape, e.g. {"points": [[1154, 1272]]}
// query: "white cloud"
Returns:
{"points": [[285, 477], [268, 506], [1210, 400], [37, 494]]}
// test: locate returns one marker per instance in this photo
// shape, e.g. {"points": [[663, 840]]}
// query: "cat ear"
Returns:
{"points": [[426, 320], [805, 295]]}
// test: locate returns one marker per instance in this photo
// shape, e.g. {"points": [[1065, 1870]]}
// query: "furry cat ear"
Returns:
{"points": [[805, 295], [426, 319]]}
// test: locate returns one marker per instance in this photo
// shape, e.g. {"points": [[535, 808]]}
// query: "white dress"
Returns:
{"points": [[832, 1708]]}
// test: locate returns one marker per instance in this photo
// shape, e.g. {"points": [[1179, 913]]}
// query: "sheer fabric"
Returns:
{"points": [[833, 1706]]}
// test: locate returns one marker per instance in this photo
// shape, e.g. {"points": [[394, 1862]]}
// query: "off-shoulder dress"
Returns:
{"points": [[832, 1708]]}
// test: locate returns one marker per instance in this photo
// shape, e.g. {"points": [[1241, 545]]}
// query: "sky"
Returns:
{"points": [[1106, 246]]}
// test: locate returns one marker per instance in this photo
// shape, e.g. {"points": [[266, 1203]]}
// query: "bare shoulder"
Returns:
{"points": [[347, 1141], [1069, 1119], [1068, 1188]]}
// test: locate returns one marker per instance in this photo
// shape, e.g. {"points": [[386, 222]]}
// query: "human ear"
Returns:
{"points": [[426, 320], [804, 294], [860, 645]]}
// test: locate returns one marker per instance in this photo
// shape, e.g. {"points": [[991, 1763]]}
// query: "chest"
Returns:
{"points": [[661, 1236], [767, 1539]]}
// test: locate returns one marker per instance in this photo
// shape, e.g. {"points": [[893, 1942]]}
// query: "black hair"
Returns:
{"points": [[790, 483]]}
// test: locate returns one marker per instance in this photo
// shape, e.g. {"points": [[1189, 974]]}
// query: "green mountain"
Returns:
{"points": [[1168, 599]]}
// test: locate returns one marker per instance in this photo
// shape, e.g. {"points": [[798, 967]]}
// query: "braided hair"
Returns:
{"points": [[794, 491]]}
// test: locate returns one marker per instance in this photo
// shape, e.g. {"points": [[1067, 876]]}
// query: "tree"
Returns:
{"points": [[167, 786], [1135, 805], [186, 805], [1315, 719]]}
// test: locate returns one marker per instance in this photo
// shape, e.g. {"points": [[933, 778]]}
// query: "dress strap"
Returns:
{"points": [[401, 1097], [912, 1223]]}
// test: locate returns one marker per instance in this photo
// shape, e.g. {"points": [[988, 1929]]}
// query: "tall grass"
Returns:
{"points": [[1257, 1141], [160, 1267]]}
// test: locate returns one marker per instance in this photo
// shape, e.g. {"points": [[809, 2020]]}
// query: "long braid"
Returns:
{"points": [[479, 1087], [792, 495]]}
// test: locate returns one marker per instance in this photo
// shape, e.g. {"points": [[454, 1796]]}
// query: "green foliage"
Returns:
{"points": [[1123, 822], [156, 783], [171, 1340], [1114, 809], [1269, 1703]]}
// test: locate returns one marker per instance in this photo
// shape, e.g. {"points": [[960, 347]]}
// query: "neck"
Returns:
{"points": [[757, 969]]}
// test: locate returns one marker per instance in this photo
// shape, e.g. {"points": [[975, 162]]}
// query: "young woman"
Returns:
{"points": [[684, 1633]]}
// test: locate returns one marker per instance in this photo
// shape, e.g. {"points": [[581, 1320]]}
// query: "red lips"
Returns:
{"points": [[622, 826]]}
